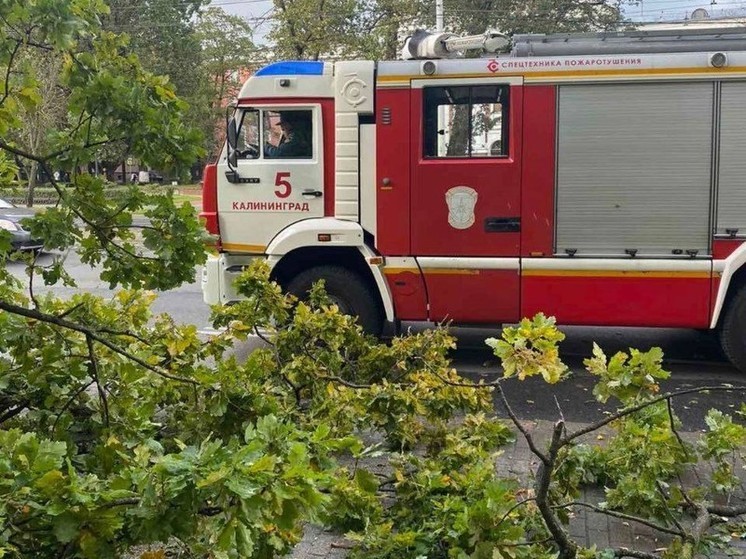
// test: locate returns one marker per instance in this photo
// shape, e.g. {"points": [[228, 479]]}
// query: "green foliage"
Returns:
{"points": [[133, 430], [722, 443], [642, 462], [159, 255], [355, 503], [626, 378], [109, 452], [163, 36], [644, 450], [126, 103], [407, 392], [148, 432], [453, 507], [240, 498], [404, 388], [314, 29], [445, 503], [531, 349], [110, 100], [532, 16], [228, 53]]}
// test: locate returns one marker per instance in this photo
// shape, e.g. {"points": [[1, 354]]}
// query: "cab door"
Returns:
{"points": [[270, 191], [465, 197]]}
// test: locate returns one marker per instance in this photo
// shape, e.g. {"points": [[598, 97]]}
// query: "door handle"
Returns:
{"points": [[502, 224], [314, 193]]}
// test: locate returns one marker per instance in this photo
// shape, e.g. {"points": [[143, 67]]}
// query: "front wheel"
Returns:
{"points": [[347, 290], [733, 330]]}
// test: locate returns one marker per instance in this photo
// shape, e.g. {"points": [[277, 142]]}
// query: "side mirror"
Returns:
{"points": [[232, 136]]}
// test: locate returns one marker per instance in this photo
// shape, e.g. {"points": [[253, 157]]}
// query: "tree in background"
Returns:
{"points": [[386, 23], [312, 29], [228, 55], [44, 113], [109, 101], [532, 16], [163, 34], [205, 52]]}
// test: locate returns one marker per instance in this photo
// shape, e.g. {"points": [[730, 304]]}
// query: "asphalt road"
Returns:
{"points": [[693, 358]]}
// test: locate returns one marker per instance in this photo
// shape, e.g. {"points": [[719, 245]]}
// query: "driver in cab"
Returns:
{"points": [[295, 139]]}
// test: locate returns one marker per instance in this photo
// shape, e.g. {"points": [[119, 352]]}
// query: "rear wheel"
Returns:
{"points": [[347, 290], [733, 330]]}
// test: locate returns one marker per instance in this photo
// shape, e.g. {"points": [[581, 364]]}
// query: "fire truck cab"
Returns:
{"points": [[598, 178]]}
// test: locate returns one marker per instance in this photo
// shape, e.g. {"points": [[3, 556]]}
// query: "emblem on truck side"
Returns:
{"points": [[461, 202]]}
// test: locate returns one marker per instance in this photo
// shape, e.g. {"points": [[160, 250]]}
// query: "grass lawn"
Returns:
{"points": [[191, 193], [195, 199]]}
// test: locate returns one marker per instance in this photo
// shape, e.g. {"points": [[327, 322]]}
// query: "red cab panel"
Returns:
{"points": [[392, 180], [619, 299], [537, 193], [472, 296], [210, 198], [722, 248], [408, 291]]}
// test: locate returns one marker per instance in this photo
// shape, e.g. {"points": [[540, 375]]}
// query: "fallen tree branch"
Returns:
{"points": [[14, 411], [93, 371], [642, 405], [62, 323], [567, 547], [69, 402], [622, 516], [526, 435], [726, 510], [624, 552]]}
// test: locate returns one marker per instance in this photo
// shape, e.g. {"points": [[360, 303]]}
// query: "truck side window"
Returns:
{"points": [[288, 134], [248, 135], [466, 121]]}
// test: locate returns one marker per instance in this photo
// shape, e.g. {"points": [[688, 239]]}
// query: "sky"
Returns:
{"points": [[256, 11], [678, 10]]}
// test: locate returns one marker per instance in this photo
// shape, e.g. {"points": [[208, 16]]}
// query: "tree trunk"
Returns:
{"points": [[31, 184], [458, 143]]}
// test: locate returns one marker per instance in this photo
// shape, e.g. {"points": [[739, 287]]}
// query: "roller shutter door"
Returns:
{"points": [[732, 186], [634, 167]]}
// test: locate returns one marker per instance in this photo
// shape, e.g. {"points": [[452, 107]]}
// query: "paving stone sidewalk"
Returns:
{"points": [[586, 527]]}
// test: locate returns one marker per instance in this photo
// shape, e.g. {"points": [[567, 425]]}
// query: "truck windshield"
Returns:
{"points": [[248, 135]]}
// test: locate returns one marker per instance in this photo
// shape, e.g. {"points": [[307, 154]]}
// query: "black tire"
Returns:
{"points": [[347, 289], [733, 330]]}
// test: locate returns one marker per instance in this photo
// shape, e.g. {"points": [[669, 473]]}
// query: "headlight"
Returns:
{"points": [[9, 225]]}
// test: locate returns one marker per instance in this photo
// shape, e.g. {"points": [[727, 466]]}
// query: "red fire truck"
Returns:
{"points": [[598, 178]]}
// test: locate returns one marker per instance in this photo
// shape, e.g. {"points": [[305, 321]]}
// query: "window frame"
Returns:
{"points": [[312, 135], [239, 130], [503, 99], [263, 113]]}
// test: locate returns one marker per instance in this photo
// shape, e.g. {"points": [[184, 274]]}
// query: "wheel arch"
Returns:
{"points": [[297, 248], [732, 278]]}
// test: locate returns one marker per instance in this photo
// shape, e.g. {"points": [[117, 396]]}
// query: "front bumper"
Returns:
{"points": [[219, 274], [21, 240]]}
